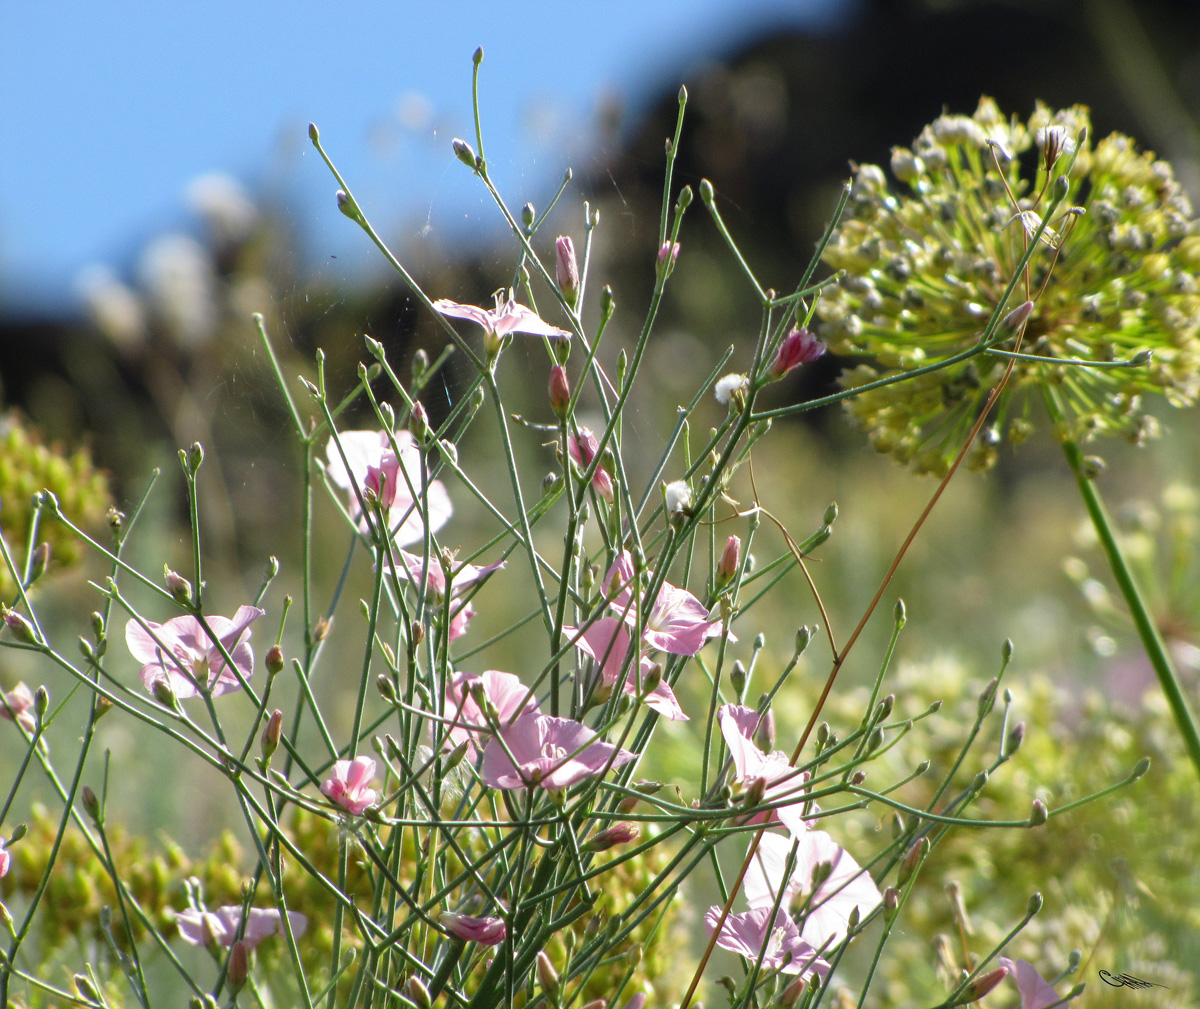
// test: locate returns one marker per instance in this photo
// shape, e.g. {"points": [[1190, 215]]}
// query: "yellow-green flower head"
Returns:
{"points": [[1114, 276]]}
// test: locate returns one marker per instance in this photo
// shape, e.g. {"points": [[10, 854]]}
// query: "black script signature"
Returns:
{"points": [[1127, 981]]}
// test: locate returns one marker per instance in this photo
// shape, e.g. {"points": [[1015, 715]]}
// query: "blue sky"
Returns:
{"points": [[108, 111]]}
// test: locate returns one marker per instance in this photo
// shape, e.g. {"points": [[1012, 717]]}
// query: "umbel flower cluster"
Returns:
{"points": [[1114, 276]]}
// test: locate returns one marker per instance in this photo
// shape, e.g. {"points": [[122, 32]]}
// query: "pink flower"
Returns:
{"points": [[677, 622], [798, 347], [552, 752], [607, 642], [184, 655], [394, 479], [566, 268], [739, 727], [349, 784], [1036, 991], [461, 579], [727, 567], [503, 691], [488, 930], [202, 928], [507, 317], [582, 447], [5, 859], [19, 706], [828, 913], [785, 951]]}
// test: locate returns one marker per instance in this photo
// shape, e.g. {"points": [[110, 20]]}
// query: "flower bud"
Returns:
{"points": [[987, 697], [706, 191], [179, 587], [465, 153], [415, 991], [85, 988], [668, 253], [983, 984], [21, 628], [1140, 768], [41, 558], [891, 902], [737, 676], [272, 734], [239, 967], [103, 707], [1034, 905], [323, 628], [490, 930], [798, 347], [1018, 316], [764, 732], [41, 702], [91, 804], [1037, 815], [547, 975], [528, 215], [1015, 738], [566, 269], [610, 837], [911, 860], [195, 456], [560, 391], [274, 660], [164, 694]]}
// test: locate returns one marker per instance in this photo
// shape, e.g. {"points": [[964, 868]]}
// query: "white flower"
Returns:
{"points": [[678, 497], [730, 386]]}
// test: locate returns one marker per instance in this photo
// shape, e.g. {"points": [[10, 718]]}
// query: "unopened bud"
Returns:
{"points": [[465, 153], [983, 984], [706, 191], [981, 779], [891, 901], [20, 628], [899, 614], [323, 628], [1037, 814], [547, 975], [1092, 466], [911, 860], [85, 988], [668, 253], [1140, 768], [528, 215], [754, 794], [858, 777], [41, 702], [737, 676], [987, 698], [566, 269], [1034, 905], [239, 967], [179, 587], [272, 734], [727, 567], [1015, 738], [610, 837], [41, 558], [91, 804], [416, 992], [803, 637], [455, 756], [560, 391], [103, 707], [764, 732], [274, 660], [164, 694], [1018, 316], [386, 689]]}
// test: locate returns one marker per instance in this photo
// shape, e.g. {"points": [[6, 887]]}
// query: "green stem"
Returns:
{"points": [[1152, 642]]}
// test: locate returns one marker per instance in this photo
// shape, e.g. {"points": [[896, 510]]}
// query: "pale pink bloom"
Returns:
{"points": [[739, 726], [677, 622], [201, 928], [551, 752], [462, 578], [607, 642], [582, 447], [5, 859], [785, 950], [507, 317], [504, 691], [828, 913], [19, 706], [488, 930], [349, 784], [1036, 991], [184, 655], [394, 479], [798, 347]]}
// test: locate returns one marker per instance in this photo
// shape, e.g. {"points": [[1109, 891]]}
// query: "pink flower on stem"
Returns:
{"points": [[739, 727], [349, 784], [504, 692], [827, 914], [507, 317], [677, 622], [785, 951], [372, 465], [489, 930], [181, 654], [204, 928], [607, 642], [566, 268], [798, 347], [582, 447], [462, 578], [18, 706], [1036, 991], [554, 753]]}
